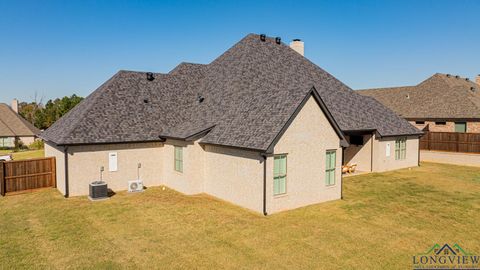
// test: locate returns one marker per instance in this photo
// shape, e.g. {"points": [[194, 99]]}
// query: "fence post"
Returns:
{"points": [[458, 141], [54, 171], [2, 179], [429, 137]]}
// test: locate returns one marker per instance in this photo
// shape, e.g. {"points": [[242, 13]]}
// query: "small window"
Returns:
{"points": [[420, 122], [330, 167], [280, 174], [178, 159], [356, 140], [440, 123], [460, 127], [400, 148]]}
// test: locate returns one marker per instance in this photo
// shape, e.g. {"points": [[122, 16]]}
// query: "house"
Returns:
{"points": [[260, 126], [14, 127], [441, 103]]}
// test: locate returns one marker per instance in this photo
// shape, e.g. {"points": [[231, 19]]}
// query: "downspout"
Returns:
{"points": [[418, 161], [341, 173], [65, 151], [372, 140], [264, 184]]}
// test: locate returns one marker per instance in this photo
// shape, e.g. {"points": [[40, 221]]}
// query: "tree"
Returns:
{"points": [[44, 116]]}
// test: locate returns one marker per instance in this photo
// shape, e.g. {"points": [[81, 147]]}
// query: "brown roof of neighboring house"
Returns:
{"points": [[12, 124], [249, 94], [440, 96]]}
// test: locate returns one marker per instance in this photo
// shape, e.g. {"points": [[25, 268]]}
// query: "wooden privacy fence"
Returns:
{"points": [[451, 142], [26, 175]]}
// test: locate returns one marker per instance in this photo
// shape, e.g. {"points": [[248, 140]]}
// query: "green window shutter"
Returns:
{"points": [[330, 167], [460, 127], [279, 174]]}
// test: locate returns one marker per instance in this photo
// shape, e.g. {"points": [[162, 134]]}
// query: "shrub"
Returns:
{"points": [[36, 145]]}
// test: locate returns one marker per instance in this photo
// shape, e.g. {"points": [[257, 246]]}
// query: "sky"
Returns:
{"points": [[51, 49]]}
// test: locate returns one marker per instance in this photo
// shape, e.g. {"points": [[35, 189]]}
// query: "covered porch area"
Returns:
{"points": [[358, 156]]}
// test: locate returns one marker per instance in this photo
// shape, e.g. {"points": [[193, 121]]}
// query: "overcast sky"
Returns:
{"points": [[57, 48]]}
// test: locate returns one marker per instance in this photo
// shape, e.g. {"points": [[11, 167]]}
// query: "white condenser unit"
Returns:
{"points": [[135, 186]]}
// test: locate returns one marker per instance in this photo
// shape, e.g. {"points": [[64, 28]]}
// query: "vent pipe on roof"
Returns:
{"points": [[298, 46], [15, 105], [263, 37], [278, 40], [477, 79], [150, 76]]}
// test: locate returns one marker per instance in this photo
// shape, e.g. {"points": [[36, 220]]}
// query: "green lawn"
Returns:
{"points": [[383, 220], [24, 154]]}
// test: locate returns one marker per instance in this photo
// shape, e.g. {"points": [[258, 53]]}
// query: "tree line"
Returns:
{"points": [[43, 116]]}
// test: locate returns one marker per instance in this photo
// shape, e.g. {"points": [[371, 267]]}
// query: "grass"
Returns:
{"points": [[28, 154], [383, 220]]}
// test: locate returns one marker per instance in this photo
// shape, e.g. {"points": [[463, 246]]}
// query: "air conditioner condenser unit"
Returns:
{"points": [[135, 186]]}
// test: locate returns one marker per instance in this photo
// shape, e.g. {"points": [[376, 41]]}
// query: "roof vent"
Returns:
{"points": [[456, 76], [472, 89], [278, 40], [200, 99], [150, 76], [408, 96], [145, 101], [263, 37], [467, 79], [448, 75]]}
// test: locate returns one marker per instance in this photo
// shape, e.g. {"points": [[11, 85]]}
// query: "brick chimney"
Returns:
{"points": [[477, 79], [15, 105], [298, 46]]}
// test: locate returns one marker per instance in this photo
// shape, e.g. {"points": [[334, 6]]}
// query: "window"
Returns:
{"points": [[440, 123], [419, 122], [279, 174], [356, 140], [330, 168], [460, 127], [400, 148], [178, 159]]}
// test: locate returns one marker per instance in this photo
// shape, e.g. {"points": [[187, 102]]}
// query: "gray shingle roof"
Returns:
{"points": [[440, 96], [12, 124], [249, 94]]}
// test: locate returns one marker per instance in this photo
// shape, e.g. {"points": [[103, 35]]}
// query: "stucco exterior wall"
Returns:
{"points": [[234, 175], [190, 181], [305, 143], [84, 164], [53, 151], [360, 154], [27, 140], [472, 127], [382, 162]]}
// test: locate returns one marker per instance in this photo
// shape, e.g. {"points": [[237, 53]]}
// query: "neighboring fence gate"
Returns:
{"points": [[451, 142], [26, 175]]}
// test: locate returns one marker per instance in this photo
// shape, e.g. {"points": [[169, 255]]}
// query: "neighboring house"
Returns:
{"points": [[14, 127], [260, 126], [441, 103]]}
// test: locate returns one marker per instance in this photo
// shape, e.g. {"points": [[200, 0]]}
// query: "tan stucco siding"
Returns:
{"points": [[27, 140], [234, 175], [305, 142], [53, 151], [382, 162], [472, 127], [190, 181], [85, 163], [360, 154]]}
